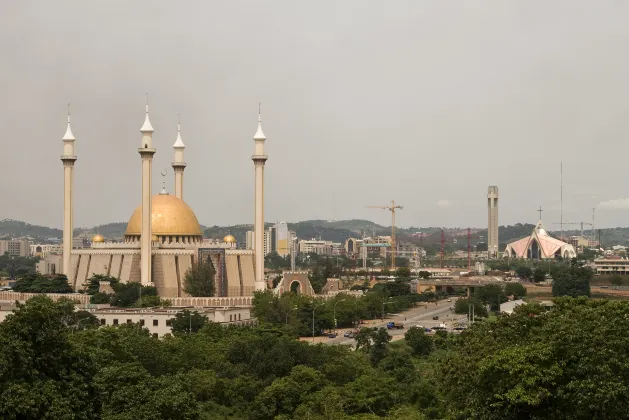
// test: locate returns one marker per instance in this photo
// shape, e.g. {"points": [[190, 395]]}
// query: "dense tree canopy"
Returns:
{"points": [[567, 363], [573, 281], [38, 283], [199, 280]]}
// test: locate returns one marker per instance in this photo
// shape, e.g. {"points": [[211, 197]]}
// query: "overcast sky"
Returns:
{"points": [[424, 102]]}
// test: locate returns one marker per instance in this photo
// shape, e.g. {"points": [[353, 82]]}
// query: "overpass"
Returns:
{"points": [[469, 283]]}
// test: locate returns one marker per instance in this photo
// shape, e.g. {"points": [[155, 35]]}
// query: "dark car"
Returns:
{"points": [[436, 317]]}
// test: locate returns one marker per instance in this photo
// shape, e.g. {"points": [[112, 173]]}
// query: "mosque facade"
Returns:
{"points": [[163, 238]]}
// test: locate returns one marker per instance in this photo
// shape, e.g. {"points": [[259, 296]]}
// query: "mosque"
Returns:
{"points": [[163, 238]]}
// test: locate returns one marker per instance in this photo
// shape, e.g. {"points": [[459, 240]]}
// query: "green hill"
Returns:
{"points": [[14, 228], [336, 231]]}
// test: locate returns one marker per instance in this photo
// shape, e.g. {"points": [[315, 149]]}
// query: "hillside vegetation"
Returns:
{"points": [[336, 231]]}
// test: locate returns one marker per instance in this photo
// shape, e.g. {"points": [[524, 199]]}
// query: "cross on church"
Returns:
{"points": [[540, 212]]}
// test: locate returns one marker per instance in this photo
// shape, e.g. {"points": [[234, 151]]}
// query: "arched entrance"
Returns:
{"points": [[295, 287]]}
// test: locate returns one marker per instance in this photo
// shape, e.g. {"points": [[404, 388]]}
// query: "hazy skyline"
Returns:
{"points": [[423, 102]]}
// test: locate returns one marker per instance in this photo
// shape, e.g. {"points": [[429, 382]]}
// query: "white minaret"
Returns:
{"points": [[259, 159], [146, 153], [68, 158], [179, 164], [492, 222]]}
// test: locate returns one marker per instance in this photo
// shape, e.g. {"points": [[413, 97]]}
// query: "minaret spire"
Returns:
{"points": [[259, 160], [68, 158], [179, 164], [146, 153]]}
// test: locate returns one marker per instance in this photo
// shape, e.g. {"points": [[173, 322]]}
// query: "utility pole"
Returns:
{"points": [[443, 241], [469, 252]]}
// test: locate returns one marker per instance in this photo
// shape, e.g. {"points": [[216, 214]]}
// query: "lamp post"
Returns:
{"points": [[313, 319], [337, 302], [288, 313], [385, 303]]}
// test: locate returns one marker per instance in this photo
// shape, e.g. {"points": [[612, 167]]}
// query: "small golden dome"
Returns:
{"points": [[170, 216], [98, 238], [154, 238], [229, 239]]}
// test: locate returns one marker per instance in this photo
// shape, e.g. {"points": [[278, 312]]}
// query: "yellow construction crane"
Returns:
{"points": [[392, 209]]}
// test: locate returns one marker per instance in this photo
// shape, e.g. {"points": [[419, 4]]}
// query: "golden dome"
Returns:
{"points": [[98, 238], [229, 238], [171, 216]]}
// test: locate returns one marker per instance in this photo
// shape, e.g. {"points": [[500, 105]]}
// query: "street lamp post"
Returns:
{"points": [[385, 303], [313, 319], [335, 323], [288, 313]]}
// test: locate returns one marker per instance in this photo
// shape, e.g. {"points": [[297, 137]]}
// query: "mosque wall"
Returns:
{"points": [[233, 275], [134, 273], [84, 266], [248, 279], [116, 265], [184, 264], [126, 262], [99, 264]]}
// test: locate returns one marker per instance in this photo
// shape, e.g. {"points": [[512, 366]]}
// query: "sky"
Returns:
{"points": [[423, 102]]}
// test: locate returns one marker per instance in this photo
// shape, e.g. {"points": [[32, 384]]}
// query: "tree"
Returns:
{"points": [[424, 274], [199, 279], [517, 290], [616, 280], [539, 274], [481, 246], [524, 272], [531, 366], [420, 343], [188, 322], [462, 306], [492, 295], [92, 285], [43, 375], [573, 281], [126, 295], [403, 273], [38, 283]]}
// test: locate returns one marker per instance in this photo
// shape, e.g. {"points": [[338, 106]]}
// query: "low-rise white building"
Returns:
{"points": [[508, 307], [157, 320]]}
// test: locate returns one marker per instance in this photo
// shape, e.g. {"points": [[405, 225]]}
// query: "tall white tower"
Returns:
{"points": [[68, 158], [492, 225], [146, 151], [259, 159], [179, 164]]}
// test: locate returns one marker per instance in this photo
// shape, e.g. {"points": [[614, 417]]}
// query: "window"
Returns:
{"points": [[141, 323], [103, 321], [115, 322], [169, 322], [129, 321], [230, 318], [239, 317], [155, 323]]}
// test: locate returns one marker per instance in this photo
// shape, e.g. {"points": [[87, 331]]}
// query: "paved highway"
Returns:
{"points": [[416, 316]]}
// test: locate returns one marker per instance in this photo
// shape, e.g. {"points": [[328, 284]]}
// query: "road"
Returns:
{"points": [[413, 317]]}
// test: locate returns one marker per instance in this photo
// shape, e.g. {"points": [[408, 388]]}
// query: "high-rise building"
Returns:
{"points": [[249, 239], [492, 225], [282, 246], [268, 241], [15, 247]]}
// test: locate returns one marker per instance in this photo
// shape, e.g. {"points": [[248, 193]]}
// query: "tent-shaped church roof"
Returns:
{"points": [[539, 245]]}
